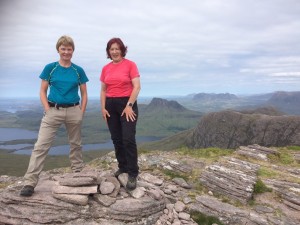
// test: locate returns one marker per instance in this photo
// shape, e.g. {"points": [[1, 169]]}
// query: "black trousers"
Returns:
{"points": [[123, 134]]}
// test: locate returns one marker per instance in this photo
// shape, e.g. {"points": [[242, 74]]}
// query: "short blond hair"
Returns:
{"points": [[65, 40]]}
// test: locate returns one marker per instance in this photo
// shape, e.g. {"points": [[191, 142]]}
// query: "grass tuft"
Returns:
{"points": [[207, 153], [260, 187], [202, 219]]}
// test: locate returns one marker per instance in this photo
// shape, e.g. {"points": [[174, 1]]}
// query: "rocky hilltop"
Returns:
{"points": [[231, 129], [250, 185]]}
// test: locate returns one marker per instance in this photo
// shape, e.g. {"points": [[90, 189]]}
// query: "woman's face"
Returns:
{"points": [[65, 52], [115, 53]]}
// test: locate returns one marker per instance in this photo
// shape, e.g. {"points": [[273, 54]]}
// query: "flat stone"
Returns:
{"points": [[151, 179], [75, 190], [74, 199], [104, 199]]}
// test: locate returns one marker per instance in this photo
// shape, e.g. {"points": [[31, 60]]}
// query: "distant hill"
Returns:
{"points": [[159, 104], [285, 102], [164, 118], [214, 97], [229, 129], [288, 102]]}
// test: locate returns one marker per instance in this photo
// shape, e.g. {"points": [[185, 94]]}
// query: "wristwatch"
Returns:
{"points": [[129, 104]]}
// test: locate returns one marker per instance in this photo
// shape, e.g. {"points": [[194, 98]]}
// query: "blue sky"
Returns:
{"points": [[180, 47]]}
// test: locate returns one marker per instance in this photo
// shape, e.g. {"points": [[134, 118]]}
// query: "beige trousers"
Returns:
{"points": [[52, 120]]}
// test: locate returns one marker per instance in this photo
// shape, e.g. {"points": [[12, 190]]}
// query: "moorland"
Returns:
{"points": [[162, 118]]}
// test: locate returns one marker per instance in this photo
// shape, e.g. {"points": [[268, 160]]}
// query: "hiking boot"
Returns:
{"points": [[131, 183], [27, 191], [118, 172]]}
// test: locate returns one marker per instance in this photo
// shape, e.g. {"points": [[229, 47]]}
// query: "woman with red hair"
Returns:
{"points": [[120, 86]]}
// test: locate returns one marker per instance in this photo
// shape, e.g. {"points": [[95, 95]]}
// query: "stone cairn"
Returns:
{"points": [[100, 197], [76, 189]]}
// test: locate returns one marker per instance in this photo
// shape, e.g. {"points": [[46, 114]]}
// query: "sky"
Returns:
{"points": [[180, 47]]}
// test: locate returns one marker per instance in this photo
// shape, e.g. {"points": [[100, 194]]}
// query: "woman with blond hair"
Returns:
{"points": [[63, 105]]}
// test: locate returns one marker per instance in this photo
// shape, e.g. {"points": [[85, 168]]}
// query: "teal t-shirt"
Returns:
{"points": [[64, 82]]}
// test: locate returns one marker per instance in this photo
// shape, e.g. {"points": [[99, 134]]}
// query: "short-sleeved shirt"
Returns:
{"points": [[64, 82], [118, 78]]}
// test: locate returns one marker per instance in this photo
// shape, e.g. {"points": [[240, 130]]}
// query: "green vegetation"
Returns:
{"points": [[267, 172], [295, 148], [202, 219], [206, 153], [260, 187], [167, 144], [172, 174], [17, 165], [284, 157]]}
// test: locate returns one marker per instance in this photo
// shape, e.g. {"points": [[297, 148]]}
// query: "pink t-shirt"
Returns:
{"points": [[117, 78]]}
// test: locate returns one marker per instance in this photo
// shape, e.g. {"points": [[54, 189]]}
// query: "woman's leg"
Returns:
{"points": [[49, 125], [73, 126]]}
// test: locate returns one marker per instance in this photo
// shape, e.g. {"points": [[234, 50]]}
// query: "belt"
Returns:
{"points": [[51, 104]]}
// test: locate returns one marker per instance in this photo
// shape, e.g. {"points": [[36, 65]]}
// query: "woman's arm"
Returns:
{"points": [[105, 113], [130, 114], [43, 94], [84, 97], [136, 90]]}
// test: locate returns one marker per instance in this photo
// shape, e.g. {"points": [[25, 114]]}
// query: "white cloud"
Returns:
{"points": [[190, 46]]}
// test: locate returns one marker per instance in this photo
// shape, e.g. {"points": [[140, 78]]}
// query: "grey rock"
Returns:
{"points": [[138, 192], [132, 209], [233, 178], [106, 188], [179, 206], [151, 179], [181, 182], [72, 198], [104, 199], [75, 190], [184, 216], [76, 182], [116, 184], [155, 194]]}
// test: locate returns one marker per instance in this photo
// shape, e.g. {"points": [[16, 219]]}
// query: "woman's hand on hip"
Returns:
{"points": [[105, 114], [130, 114]]}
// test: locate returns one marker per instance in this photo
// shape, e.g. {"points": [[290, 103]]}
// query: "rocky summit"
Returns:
{"points": [[173, 188]]}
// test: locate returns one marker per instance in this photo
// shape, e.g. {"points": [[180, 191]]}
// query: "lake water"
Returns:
{"points": [[8, 134]]}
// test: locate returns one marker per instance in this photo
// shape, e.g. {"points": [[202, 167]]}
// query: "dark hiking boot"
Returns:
{"points": [[27, 191], [118, 172], [131, 183]]}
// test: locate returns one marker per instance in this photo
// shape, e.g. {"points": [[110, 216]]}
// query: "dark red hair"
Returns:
{"points": [[122, 47]]}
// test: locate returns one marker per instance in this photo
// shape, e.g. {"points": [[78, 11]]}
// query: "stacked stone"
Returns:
{"points": [[75, 188]]}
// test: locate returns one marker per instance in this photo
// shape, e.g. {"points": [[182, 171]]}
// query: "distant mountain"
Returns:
{"points": [[159, 104], [285, 102], [285, 98], [214, 97], [164, 118], [288, 102]]}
